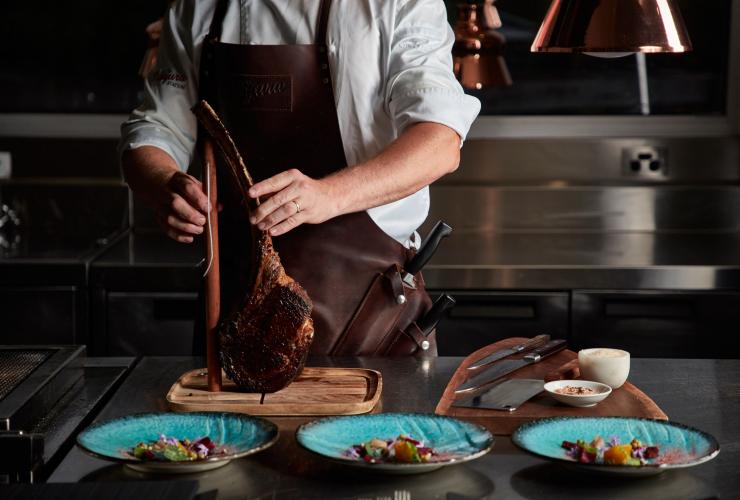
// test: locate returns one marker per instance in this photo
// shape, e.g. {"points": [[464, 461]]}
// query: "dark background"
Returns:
{"points": [[83, 57]]}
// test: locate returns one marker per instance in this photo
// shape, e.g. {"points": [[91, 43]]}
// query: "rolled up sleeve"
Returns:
{"points": [[164, 119], [422, 86]]}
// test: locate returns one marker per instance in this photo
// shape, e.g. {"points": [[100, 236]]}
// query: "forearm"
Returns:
{"points": [[176, 197], [146, 170], [421, 155]]}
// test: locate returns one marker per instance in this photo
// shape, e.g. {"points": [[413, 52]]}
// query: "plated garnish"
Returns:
{"points": [[170, 449], [403, 449], [611, 452]]}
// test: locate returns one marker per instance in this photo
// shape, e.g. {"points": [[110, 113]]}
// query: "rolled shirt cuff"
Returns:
{"points": [[136, 135], [448, 107]]}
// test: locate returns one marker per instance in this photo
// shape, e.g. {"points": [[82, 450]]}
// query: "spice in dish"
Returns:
{"points": [[611, 452], [575, 390], [169, 449], [403, 449]]}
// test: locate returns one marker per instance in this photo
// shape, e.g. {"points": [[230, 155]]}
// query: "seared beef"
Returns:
{"points": [[263, 344]]}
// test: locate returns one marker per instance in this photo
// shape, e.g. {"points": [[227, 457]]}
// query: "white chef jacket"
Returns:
{"points": [[390, 62]]}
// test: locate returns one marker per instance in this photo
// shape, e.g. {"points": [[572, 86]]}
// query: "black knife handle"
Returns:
{"points": [[431, 318], [550, 348], [428, 247]]}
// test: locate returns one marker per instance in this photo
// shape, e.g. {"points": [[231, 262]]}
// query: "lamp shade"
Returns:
{"points": [[612, 26], [478, 53]]}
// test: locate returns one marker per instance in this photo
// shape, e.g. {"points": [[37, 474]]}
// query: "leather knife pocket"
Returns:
{"points": [[376, 316], [410, 342]]}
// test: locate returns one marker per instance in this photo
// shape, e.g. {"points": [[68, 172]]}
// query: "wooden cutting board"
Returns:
{"points": [[627, 401], [316, 391]]}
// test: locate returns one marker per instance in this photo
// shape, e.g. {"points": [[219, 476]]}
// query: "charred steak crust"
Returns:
{"points": [[264, 344]]}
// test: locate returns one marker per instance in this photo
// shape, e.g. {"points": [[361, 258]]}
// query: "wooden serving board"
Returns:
{"points": [[316, 391], [628, 400]]}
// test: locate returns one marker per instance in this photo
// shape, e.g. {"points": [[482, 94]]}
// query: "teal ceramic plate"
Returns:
{"points": [[680, 446], [460, 441], [242, 435]]}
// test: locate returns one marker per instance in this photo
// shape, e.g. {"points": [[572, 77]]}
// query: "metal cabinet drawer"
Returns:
{"points": [[481, 318], [150, 324], [657, 323], [40, 315]]}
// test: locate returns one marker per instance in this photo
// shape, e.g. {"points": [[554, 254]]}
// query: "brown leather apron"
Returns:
{"points": [[277, 101]]}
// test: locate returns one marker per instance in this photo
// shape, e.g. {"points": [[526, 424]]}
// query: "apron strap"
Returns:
{"points": [[217, 23], [324, 10]]}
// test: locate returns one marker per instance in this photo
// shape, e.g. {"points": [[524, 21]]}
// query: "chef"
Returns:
{"points": [[345, 111]]}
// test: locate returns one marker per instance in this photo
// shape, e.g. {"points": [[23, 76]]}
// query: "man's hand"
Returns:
{"points": [[177, 198], [181, 207], [291, 199]]}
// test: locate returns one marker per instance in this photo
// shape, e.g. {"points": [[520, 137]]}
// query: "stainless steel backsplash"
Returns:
{"points": [[595, 161], [587, 186]]}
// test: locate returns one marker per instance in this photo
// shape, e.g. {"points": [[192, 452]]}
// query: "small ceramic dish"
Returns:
{"points": [[600, 392], [113, 440], [460, 441]]}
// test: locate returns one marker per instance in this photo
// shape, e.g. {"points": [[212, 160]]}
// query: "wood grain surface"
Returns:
{"points": [[628, 400], [316, 391]]}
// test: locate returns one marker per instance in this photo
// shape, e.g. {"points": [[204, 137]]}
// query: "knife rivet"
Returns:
{"points": [[401, 299], [425, 345]]}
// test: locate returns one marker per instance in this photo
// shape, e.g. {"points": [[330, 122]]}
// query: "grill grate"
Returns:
{"points": [[16, 365]]}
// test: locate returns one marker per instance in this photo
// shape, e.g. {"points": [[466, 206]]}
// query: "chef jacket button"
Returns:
{"points": [[401, 299], [332, 48], [325, 80], [425, 345], [324, 66]]}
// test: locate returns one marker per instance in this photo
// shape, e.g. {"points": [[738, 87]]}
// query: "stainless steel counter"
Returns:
{"points": [[700, 393], [538, 260], [567, 237]]}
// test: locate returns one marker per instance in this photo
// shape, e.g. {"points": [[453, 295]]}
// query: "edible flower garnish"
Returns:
{"points": [[403, 449], [612, 452], [170, 449]]}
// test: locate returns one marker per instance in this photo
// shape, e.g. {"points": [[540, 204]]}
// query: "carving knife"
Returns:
{"points": [[427, 249], [495, 372], [502, 353]]}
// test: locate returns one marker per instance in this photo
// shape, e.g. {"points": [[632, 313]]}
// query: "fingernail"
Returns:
{"points": [[261, 226], [202, 221], [252, 193], [200, 230], [252, 220]]}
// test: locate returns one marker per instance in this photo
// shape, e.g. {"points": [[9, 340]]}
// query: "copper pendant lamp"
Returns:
{"points": [[478, 51], [612, 27]]}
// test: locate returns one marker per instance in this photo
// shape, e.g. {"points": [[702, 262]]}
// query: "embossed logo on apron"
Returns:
{"points": [[263, 92]]}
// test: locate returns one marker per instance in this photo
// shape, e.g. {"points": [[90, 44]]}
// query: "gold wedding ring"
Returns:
{"points": [[297, 206]]}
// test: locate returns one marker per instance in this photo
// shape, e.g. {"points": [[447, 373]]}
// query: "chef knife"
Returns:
{"points": [[502, 353], [427, 249], [432, 317], [505, 367]]}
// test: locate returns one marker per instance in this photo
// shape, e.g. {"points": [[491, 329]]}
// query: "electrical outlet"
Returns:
{"points": [[6, 165], [645, 162]]}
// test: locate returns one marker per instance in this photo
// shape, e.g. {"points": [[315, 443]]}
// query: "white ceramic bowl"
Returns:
{"points": [[601, 391], [605, 365]]}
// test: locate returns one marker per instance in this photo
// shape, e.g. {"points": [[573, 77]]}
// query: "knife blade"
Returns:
{"points": [[428, 247], [432, 317], [504, 395], [505, 367], [502, 353]]}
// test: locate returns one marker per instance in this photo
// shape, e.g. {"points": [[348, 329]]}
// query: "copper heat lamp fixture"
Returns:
{"points": [[478, 51], [612, 28]]}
